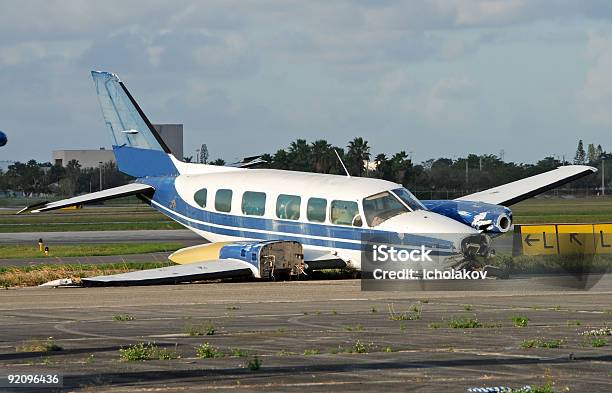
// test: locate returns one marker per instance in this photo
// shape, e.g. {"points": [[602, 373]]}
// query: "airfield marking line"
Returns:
{"points": [[296, 321], [161, 318], [64, 329], [276, 385]]}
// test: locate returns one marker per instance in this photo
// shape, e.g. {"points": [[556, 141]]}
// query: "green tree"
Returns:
{"points": [[400, 165], [591, 153], [299, 156], [358, 153], [580, 154], [26, 177], [280, 160], [322, 156]]}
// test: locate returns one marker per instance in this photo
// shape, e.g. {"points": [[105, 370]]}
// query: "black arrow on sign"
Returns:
{"points": [[529, 240], [574, 238]]}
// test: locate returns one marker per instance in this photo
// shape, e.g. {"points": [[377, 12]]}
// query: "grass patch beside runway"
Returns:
{"points": [[557, 264], [86, 219], [40, 274], [82, 250], [96, 226], [548, 210]]}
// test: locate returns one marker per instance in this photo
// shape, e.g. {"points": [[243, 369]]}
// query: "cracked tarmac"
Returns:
{"points": [[280, 321]]}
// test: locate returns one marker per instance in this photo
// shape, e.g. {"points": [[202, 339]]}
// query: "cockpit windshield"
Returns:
{"points": [[380, 207], [409, 199]]}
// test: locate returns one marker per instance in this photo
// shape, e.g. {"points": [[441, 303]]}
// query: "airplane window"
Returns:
{"points": [[316, 209], [254, 203], [409, 199], [345, 213], [288, 207], [380, 207], [223, 200], [200, 197]]}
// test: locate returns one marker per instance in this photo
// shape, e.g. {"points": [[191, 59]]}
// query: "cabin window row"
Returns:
{"points": [[287, 206]]}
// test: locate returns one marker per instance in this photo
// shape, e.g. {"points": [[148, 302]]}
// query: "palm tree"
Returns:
{"points": [[383, 166], [400, 164], [321, 156], [299, 154], [280, 160], [358, 153]]}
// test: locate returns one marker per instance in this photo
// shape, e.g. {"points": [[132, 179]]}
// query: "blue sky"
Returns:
{"points": [[436, 78]]}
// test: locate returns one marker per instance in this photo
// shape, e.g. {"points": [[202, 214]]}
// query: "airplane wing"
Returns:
{"points": [[258, 259], [516, 191], [111, 193], [209, 270], [318, 259]]}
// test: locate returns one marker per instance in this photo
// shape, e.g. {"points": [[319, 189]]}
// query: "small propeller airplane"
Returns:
{"points": [[267, 223]]}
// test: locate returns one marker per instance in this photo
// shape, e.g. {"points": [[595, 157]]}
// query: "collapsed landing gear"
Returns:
{"points": [[477, 251]]}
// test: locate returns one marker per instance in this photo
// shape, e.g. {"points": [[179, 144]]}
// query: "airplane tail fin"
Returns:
{"points": [[138, 148]]}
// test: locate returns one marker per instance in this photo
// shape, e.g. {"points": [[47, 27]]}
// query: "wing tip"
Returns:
{"points": [[581, 167], [32, 208]]}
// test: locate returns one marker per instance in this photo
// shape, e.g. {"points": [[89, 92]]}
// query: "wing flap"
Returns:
{"points": [[111, 193], [209, 270], [516, 191]]}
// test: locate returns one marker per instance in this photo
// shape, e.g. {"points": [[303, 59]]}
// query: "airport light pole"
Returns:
{"points": [[603, 170], [100, 175]]}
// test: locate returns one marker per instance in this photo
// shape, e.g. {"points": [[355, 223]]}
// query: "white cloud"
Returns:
{"points": [[595, 96], [341, 66]]}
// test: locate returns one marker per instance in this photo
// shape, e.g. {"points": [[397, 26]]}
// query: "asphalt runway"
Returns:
{"points": [[132, 236], [302, 333]]}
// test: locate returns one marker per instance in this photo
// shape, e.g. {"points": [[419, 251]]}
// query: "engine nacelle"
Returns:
{"points": [[484, 216]]}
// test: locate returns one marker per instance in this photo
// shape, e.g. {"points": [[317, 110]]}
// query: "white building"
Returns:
{"points": [[172, 134]]}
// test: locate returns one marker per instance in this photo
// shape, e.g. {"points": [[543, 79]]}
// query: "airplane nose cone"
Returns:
{"points": [[425, 222], [430, 224]]}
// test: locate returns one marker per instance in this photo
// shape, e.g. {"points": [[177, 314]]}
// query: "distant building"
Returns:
{"points": [[87, 158], [172, 134], [4, 164]]}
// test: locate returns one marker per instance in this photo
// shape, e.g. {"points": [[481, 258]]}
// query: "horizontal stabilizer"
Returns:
{"points": [[111, 193], [248, 162], [209, 270], [516, 191]]}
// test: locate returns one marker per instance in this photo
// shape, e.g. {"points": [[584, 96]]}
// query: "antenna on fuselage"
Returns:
{"points": [[343, 166]]}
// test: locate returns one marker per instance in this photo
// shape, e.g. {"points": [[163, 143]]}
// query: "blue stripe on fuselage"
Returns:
{"points": [[243, 226]]}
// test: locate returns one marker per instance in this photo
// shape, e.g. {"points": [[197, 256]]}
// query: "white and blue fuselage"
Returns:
{"points": [[323, 212]]}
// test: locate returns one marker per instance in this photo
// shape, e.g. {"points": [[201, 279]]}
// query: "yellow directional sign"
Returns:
{"points": [[576, 239], [603, 238], [539, 239], [563, 239]]}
